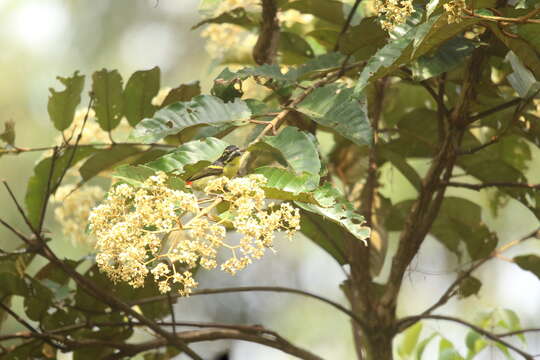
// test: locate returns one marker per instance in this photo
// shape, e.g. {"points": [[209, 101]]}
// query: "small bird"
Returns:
{"points": [[227, 165]]}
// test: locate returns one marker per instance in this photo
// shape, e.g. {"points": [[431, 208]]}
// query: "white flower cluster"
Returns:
{"points": [[154, 229], [454, 10], [393, 12]]}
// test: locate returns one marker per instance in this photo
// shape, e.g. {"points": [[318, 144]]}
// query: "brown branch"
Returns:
{"points": [[494, 110], [478, 187], [18, 206], [518, 332], [347, 23], [451, 290], [256, 288], [520, 20], [18, 150], [115, 302], [54, 158], [489, 335], [265, 50]]}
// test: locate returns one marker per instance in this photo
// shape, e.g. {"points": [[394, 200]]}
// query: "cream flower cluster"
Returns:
{"points": [[167, 233], [75, 209], [393, 12], [455, 9]]}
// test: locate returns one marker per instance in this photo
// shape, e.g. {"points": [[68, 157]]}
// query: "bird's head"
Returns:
{"points": [[231, 152]]}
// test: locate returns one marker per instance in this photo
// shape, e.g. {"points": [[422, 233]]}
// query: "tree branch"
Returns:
{"points": [[265, 50], [347, 23], [409, 320], [450, 291], [478, 187], [256, 288]]}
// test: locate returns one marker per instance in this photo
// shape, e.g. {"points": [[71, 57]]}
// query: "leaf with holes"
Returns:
{"points": [[140, 89], [108, 98], [201, 110], [62, 104]]}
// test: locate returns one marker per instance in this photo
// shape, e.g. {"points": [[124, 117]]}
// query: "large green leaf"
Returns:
{"points": [[450, 55], [62, 104], [192, 152], [201, 110], [400, 162], [334, 107], [525, 52], [459, 220], [238, 16], [530, 263], [411, 41], [140, 89], [36, 190], [329, 10], [284, 185], [342, 213], [108, 98], [298, 149], [531, 34], [105, 159], [184, 92], [294, 49], [363, 40]]}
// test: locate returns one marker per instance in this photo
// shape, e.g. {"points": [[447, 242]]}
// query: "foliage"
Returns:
{"points": [[453, 87]]}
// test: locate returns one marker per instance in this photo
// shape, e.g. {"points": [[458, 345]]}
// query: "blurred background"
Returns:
{"points": [[42, 39]]}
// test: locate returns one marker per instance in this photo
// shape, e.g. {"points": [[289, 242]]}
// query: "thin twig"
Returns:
{"points": [[257, 288], [19, 207], [451, 290], [491, 184], [47, 194], [347, 23], [494, 110], [489, 335]]}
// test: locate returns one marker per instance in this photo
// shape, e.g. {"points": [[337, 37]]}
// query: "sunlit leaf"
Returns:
{"points": [[298, 149], [201, 110], [332, 106], [140, 89], [62, 104], [108, 98]]}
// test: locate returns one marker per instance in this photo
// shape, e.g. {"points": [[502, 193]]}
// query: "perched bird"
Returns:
{"points": [[227, 165]]}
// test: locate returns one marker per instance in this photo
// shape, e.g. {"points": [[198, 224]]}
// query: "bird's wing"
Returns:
{"points": [[208, 171]]}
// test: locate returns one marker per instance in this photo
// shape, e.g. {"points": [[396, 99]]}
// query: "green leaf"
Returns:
{"points": [[37, 185], [202, 110], [400, 162], [422, 346], [522, 79], [294, 49], [450, 55], [11, 284], [298, 148], [459, 220], [192, 152], [530, 263], [184, 92], [411, 41], [133, 175], [475, 343], [238, 16], [342, 213], [332, 60], [531, 34], [525, 52], [283, 185], [328, 10], [332, 106], [108, 97], [363, 40], [8, 136], [409, 340], [62, 104], [105, 159], [469, 286], [447, 351], [140, 89], [327, 234]]}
